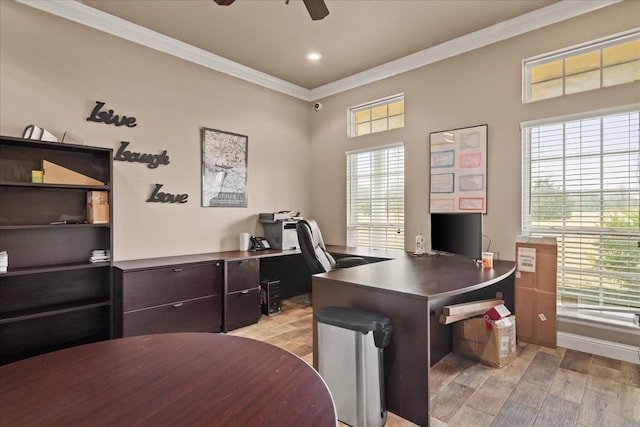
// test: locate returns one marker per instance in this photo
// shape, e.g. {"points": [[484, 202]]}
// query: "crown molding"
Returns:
{"points": [[85, 15], [93, 18]]}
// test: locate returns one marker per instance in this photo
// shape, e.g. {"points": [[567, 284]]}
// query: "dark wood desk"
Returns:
{"points": [[411, 292], [183, 379]]}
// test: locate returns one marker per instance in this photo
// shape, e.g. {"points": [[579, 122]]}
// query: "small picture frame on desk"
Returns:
{"points": [[224, 169]]}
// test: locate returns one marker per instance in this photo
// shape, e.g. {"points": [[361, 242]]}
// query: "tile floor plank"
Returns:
{"points": [[491, 395], [557, 412], [569, 385], [445, 404], [514, 414], [599, 410], [576, 361], [530, 394]]}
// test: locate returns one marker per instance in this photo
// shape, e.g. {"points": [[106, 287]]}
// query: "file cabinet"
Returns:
{"points": [[163, 295]]}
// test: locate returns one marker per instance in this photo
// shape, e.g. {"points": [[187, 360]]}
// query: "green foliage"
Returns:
{"points": [[547, 201], [622, 255]]}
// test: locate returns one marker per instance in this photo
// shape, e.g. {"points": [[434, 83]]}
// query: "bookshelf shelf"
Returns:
{"points": [[56, 310], [59, 226], [38, 269], [41, 185]]}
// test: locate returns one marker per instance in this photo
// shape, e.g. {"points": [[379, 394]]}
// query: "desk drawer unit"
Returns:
{"points": [[172, 298], [242, 296]]}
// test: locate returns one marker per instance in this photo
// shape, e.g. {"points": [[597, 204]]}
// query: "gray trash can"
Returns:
{"points": [[350, 349]]}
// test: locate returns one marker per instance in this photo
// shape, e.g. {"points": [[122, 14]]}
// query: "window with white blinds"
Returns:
{"points": [[581, 184], [375, 197]]}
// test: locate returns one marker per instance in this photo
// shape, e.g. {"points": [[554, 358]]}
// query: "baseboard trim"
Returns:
{"points": [[613, 350]]}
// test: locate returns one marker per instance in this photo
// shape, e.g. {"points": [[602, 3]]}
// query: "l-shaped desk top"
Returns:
{"points": [[429, 276]]}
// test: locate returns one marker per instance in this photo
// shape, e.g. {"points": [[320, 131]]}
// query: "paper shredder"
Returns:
{"points": [[350, 360]]}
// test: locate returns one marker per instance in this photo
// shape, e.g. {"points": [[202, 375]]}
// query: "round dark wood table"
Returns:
{"points": [[182, 379]]}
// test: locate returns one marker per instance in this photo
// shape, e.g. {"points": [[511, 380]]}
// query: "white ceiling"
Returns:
{"points": [[266, 41]]}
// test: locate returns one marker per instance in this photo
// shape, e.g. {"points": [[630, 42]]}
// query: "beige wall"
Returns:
{"points": [[480, 87], [52, 71]]}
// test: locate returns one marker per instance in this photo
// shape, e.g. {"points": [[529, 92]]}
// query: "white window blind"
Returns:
{"points": [[375, 197], [581, 184]]}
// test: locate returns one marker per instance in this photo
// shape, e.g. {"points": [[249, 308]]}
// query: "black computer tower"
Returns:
{"points": [[270, 297]]}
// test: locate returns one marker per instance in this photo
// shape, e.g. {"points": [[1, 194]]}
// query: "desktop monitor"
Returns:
{"points": [[457, 234]]}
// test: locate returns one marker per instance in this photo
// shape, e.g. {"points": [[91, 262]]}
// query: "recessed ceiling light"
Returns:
{"points": [[314, 56]]}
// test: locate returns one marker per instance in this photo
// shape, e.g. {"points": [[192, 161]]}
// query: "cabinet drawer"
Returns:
{"points": [[243, 308], [202, 314], [242, 274], [158, 286]]}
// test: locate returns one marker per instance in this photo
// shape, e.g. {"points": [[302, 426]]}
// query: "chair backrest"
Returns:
{"points": [[312, 247]]}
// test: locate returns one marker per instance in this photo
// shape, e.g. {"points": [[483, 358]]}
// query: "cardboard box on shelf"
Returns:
{"points": [[97, 198], [98, 214], [56, 174], [492, 342]]}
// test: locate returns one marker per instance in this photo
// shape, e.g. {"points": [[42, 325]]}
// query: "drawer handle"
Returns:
{"points": [[178, 305], [177, 269], [244, 292], [244, 261]]}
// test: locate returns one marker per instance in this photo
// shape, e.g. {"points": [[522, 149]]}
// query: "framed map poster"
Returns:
{"points": [[224, 168], [458, 170]]}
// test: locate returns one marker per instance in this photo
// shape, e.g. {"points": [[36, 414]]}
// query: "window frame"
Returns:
{"points": [[352, 112], [571, 52]]}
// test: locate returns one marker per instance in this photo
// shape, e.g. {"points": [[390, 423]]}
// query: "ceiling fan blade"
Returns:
{"points": [[317, 9], [224, 2]]}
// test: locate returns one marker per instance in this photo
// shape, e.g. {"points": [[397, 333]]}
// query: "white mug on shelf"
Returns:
{"points": [[244, 241]]}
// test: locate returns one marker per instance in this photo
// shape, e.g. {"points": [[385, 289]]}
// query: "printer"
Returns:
{"points": [[280, 229], [273, 217]]}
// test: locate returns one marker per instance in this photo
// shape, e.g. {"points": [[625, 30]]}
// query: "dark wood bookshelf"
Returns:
{"points": [[52, 296]]}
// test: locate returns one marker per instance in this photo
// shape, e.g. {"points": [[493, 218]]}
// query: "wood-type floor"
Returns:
{"points": [[541, 387]]}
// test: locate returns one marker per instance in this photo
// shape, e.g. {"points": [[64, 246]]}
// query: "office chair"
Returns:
{"points": [[314, 252]]}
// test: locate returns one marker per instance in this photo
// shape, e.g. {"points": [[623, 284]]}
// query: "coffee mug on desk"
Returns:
{"points": [[244, 241], [487, 259]]}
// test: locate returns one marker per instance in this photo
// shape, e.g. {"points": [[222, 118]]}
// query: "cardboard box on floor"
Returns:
{"points": [[535, 286], [492, 342]]}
